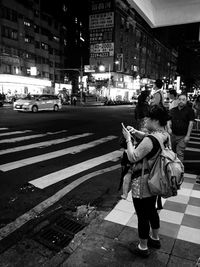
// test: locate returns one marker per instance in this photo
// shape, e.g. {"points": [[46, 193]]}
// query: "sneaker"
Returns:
{"points": [[153, 243], [140, 252]]}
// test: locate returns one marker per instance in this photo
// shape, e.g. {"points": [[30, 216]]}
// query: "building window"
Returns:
{"points": [[28, 39], [27, 23], [9, 33], [44, 46]]}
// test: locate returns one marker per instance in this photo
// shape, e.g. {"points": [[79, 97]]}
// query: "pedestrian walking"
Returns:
{"points": [[74, 100], [158, 97], [180, 125], [196, 107], [142, 109], [173, 99], [143, 157]]}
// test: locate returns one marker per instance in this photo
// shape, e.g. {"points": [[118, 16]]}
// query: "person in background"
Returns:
{"points": [[174, 98], [196, 107], [158, 97], [143, 157], [180, 125], [142, 109]]}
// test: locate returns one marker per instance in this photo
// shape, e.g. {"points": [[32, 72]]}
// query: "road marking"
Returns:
{"points": [[71, 150], [193, 142], [63, 174], [43, 144], [2, 129], [190, 175], [22, 138], [15, 132], [192, 161], [34, 212], [193, 149]]}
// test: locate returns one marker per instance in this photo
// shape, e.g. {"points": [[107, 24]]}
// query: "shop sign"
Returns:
{"points": [[89, 68], [101, 20], [102, 48], [101, 35]]}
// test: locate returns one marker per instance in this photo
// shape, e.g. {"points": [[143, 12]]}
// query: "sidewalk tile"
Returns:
{"points": [[169, 229], [118, 216], [186, 250], [194, 201], [187, 185], [179, 199], [180, 262], [125, 205], [191, 221], [173, 206], [193, 210], [195, 193], [189, 234], [171, 216]]}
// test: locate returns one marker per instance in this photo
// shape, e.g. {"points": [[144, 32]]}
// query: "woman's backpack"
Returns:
{"points": [[167, 173]]}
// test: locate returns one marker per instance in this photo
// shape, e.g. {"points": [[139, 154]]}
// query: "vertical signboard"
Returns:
{"points": [[101, 24]]}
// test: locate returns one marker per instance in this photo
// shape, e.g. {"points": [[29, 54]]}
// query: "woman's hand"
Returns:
{"points": [[126, 134], [131, 129]]}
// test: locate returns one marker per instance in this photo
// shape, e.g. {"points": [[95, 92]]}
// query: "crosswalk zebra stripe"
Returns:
{"points": [[65, 173], [43, 144], [194, 143], [192, 149], [192, 161], [23, 138], [34, 212], [2, 129], [15, 132], [71, 150]]}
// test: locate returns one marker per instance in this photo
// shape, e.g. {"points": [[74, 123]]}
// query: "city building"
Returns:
{"points": [[32, 45], [123, 42]]}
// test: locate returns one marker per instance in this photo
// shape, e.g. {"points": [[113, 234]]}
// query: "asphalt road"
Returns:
{"points": [[16, 195], [39, 171]]}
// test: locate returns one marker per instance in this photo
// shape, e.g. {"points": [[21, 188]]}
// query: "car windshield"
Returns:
{"points": [[29, 97]]}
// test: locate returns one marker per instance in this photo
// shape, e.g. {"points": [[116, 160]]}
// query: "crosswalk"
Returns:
{"points": [[23, 149]]}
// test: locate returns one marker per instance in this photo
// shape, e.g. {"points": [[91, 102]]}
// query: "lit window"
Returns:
{"points": [[27, 23]]}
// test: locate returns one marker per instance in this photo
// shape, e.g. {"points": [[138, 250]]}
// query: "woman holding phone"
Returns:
{"points": [[143, 157]]}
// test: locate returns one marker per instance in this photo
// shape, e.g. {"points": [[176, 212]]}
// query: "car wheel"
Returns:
{"points": [[56, 108], [34, 109]]}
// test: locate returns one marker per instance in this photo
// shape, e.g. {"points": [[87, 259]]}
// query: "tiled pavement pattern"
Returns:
{"points": [[180, 216]]}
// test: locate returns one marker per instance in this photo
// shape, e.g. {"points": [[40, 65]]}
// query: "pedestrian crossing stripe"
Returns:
{"points": [[71, 150], [65, 173], [15, 132], [44, 143], [23, 138]]}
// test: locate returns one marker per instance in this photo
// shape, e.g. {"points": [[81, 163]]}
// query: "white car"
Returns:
{"points": [[37, 103]]}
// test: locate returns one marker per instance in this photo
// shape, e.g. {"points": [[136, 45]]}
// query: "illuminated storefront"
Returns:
{"points": [[11, 85]]}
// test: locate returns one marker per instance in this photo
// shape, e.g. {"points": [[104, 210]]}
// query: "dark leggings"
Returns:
{"points": [[147, 215]]}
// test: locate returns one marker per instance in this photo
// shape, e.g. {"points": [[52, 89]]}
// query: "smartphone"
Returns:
{"points": [[123, 126]]}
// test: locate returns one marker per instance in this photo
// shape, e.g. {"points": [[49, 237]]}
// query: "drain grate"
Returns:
{"points": [[59, 232]]}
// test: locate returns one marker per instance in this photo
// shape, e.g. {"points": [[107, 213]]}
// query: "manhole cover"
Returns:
{"points": [[59, 232]]}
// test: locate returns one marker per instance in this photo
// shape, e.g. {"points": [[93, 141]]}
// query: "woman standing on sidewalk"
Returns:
{"points": [[143, 157]]}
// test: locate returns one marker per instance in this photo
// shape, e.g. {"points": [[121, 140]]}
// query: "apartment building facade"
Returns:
{"points": [[32, 45], [123, 42]]}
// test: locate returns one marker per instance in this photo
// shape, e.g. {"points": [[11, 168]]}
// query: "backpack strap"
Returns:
{"points": [[168, 141]]}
